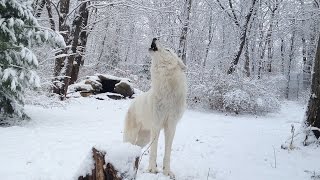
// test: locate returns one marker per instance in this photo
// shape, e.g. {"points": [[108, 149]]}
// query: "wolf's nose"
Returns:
{"points": [[154, 45]]}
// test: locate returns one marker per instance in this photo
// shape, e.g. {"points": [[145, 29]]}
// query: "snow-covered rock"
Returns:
{"points": [[102, 83]]}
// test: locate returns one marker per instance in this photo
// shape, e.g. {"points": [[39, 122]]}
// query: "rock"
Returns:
{"points": [[80, 87], [115, 96], [85, 93], [124, 89], [96, 86], [115, 87], [107, 83]]}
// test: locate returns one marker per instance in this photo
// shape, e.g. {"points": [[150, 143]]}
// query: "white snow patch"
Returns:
{"points": [[114, 77], [86, 166], [206, 145]]}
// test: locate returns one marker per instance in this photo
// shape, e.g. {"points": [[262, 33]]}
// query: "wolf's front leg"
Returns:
{"points": [[153, 151], [169, 131]]}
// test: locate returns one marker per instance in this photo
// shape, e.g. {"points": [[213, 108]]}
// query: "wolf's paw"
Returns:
{"points": [[169, 173], [153, 170]]}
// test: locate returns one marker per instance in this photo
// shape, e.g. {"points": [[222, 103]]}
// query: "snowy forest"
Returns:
{"points": [[253, 78]]}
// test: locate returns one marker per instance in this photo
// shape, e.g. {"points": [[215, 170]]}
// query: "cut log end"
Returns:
{"points": [[103, 171]]}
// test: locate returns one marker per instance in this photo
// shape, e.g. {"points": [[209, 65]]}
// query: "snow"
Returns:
{"points": [[80, 85], [56, 143], [86, 166], [122, 156], [126, 80]]}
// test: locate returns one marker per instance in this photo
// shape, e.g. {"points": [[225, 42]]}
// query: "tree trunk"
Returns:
{"points": [[270, 45], [210, 37], [59, 62], [313, 110], [81, 45], [273, 23], [247, 60], [75, 35], [311, 47], [182, 51], [282, 51], [261, 49], [306, 74], [291, 53], [51, 21]]}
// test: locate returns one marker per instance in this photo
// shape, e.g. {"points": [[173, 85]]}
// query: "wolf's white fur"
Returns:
{"points": [[159, 108]]}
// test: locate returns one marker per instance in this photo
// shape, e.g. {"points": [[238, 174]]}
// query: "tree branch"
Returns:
{"points": [[224, 9], [234, 14]]}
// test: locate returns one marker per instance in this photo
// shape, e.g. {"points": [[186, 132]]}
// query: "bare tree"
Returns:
{"points": [[273, 7], [74, 36], [210, 38], [182, 51], [256, 36], [82, 42], [38, 7], [64, 30], [291, 56], [243, 30]]}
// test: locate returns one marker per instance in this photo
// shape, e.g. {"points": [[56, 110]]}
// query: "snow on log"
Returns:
{"points": [[105, 163]]}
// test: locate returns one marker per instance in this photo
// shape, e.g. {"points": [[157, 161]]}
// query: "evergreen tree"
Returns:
{"points": [[19, 31]]}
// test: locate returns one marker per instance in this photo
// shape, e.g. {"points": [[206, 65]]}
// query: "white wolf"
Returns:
{"points": [[159, 108]]}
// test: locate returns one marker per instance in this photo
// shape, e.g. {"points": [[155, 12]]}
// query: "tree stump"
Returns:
{"points": [[103, 170]]}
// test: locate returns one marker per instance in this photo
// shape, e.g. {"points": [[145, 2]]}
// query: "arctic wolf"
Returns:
{"points": [[159, 108]]}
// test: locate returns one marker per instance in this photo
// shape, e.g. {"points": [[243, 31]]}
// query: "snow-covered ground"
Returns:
{"points": [[206, 146]]}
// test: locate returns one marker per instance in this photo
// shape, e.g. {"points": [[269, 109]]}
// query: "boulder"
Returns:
{"points": [[124, 89], [115, 87], [85, 93], [96, 86], [108, 83]]}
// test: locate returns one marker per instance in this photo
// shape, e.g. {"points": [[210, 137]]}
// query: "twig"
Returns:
{"points": [[16, 66], [315, 129], [208, 174], [292, 132]]}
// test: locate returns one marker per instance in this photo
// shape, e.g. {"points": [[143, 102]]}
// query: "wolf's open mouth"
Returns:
{"points": [[153, 45]]}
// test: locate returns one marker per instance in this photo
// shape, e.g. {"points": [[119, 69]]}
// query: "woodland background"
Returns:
{"points": [[242, 56]]}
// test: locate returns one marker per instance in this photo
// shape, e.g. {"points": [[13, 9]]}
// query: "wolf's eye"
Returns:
{"points": [[167, 50]]}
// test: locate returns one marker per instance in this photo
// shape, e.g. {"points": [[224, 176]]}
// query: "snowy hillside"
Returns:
{"points": [[206, 146]]}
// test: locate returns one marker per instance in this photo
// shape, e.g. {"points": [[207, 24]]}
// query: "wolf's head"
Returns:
{"points": [[161, 55]]}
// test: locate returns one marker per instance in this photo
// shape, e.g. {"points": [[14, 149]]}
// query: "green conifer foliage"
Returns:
{"points": [[19, 31]]}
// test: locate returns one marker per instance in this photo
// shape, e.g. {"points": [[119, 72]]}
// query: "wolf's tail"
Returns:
{"points": [[134, 132]]}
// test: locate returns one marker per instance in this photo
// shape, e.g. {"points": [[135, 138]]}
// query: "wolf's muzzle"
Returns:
{"points": [[153, 45]]}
